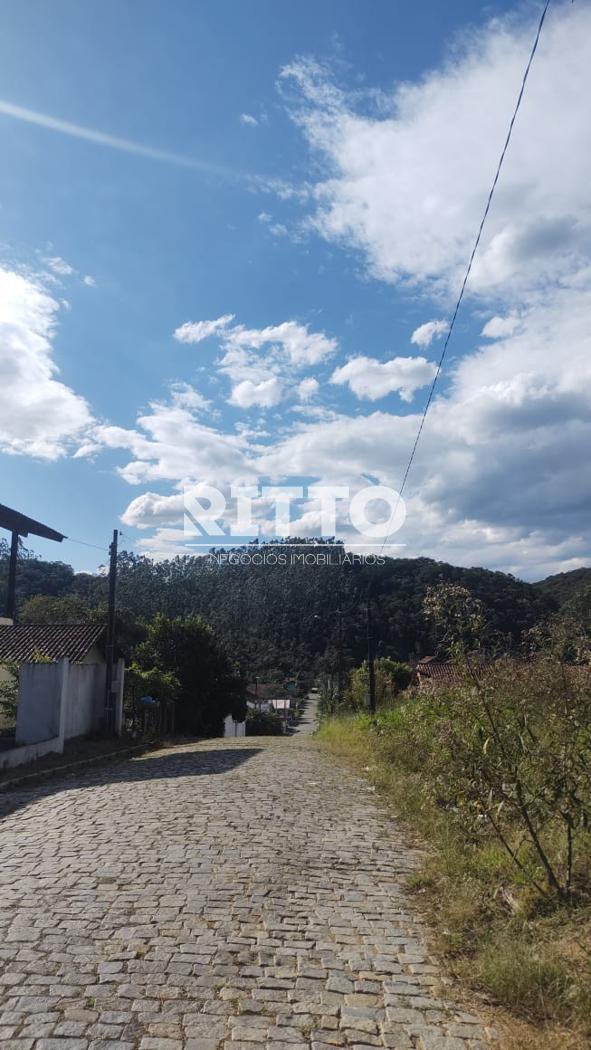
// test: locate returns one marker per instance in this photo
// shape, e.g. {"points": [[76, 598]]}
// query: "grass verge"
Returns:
{"points": [[532, 959]]}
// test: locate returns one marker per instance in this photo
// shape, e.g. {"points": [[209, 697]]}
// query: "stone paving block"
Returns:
{"points": [[437, 1041], [224, 894], [61, 1044]]}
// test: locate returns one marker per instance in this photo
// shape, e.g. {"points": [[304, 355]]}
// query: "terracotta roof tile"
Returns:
{"points": [[56, 641]]}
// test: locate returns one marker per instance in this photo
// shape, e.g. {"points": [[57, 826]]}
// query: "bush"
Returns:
{"points": [[184, 654], [510, 745], [263, 723], [9, 694], [391, 677]]}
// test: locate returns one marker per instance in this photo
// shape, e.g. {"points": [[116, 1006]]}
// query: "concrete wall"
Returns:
{"points": [[16, 756], [232, 728], [64, 700], [41, 702], [85, 699]]}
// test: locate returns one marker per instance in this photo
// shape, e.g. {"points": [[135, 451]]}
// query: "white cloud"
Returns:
{"points": [[371, 379], [498, 327], [59, 266], [151, 508], [170, 444], [39, 415], [197, 331], [266, 394], [501, 476], [426, 333], [248, 120], [407, 181], [260, 362], [501, 473], [308, 388], [279, 229], [186, 396], [297, 343], [89, 281]]}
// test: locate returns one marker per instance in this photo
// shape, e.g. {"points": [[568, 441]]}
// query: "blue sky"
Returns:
{"points": [[310, 165]]}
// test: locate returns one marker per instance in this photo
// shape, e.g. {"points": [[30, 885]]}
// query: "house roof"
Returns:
{"points": [[22, 642], [14, 521], [266, 690], [432, 669]]}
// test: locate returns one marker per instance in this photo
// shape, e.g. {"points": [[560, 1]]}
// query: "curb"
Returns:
{"points": [[41, 774]]}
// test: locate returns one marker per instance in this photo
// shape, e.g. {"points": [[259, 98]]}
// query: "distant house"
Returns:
{"points": [[267, 696], [435, 673], [62, 682]]}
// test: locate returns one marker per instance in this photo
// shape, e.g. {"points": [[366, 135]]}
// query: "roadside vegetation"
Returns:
{"points": [[494, 775]]}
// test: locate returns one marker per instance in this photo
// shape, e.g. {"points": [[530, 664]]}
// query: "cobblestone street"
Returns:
{"points": [[226, 893]]}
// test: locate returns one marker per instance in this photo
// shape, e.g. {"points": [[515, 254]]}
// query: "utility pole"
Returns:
{"points": [[371, 694], [340, 656], [110, 644], [11, 593]]}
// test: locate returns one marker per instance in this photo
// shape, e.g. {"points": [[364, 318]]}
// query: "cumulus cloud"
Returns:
{"points": [[151, 508], [262, 363], [371, 379], [426, 333], [265, 394], [169, 443], [406, 182], [308, 388], [197, 331], [501, 475], [297, 343], [498, 327], [39, 415], [248, 120], [186, 396]]}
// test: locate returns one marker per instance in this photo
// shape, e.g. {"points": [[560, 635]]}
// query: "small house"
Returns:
{"points": [[62, 673]]}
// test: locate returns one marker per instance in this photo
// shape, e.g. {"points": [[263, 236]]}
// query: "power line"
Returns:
{"points": [[475, 248], [84, 543]]}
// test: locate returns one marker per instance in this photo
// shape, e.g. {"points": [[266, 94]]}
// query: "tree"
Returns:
{"points": [[44, 608], [208, 686], [391, 677]]}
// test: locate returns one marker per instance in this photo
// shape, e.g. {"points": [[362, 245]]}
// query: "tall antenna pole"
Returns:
{"points": [[110, 646]]}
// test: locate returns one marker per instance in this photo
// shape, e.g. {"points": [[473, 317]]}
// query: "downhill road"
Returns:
{"points": [[225, 893]]}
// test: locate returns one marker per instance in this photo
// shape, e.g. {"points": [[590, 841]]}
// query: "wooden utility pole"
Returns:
{"points": [[340, 668], [371, 692], [11, 593], [110, 644]]}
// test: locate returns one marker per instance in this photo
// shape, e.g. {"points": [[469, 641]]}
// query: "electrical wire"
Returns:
{"points": [[84, 543], [474, 250]]}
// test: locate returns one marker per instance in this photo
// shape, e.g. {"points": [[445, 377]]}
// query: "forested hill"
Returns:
{"points": [[564, 586], [284, 617]]}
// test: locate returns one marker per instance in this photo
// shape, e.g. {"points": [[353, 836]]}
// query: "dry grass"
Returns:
{"points": [[532, 963]]}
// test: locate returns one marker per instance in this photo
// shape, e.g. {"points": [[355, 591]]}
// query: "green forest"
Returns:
{"points": [[281, 620]]}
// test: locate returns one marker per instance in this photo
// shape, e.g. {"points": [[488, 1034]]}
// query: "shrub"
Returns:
{"points": [[510, 746], [9, 693], [263, 723]]}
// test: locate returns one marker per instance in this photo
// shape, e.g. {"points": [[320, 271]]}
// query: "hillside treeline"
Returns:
{"points": [[281, 618]]}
